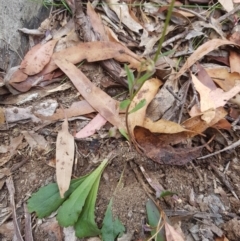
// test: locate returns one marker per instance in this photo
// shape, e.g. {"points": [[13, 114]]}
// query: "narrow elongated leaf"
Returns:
{"points": [[64, 158], [69, 212], [138, 106], [153, 216], [130, 78], [111, 228], [47, 199], [143, 78], [98, 99], [86, 225]]}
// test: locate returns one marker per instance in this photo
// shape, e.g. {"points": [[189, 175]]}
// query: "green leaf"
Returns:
{"points": [[167, 193], [124, 133], [86, 225], [69, 212], [130, 78], [153, 216], [143, 78], [48, 200], [111, 228], [138, 106], [166, 53], [124, 104]]}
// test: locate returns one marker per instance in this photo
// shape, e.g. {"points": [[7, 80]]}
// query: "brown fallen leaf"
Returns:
{"points": [[212, 99], [96, 22], [163, 126], [223, 77], [98, 99], [172, 234], [197, 125], [234, 59], [155, 148], [64, 158], [147, 92], [122, 11], [204, 77], [92, 52], [37, 57], [201, 51]]}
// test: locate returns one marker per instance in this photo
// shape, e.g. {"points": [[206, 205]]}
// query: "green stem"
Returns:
{"points": [[164, 31]]}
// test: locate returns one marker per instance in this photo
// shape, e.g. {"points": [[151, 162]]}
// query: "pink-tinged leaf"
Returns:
{"points": [[95, 124], [98, 99], [37, 57], [171, 233], [64, 158]]}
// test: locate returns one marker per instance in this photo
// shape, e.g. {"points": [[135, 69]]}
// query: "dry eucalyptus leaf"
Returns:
{"points": [[202, 51], [64, 158], [147, 92], [98, 99], [36, 59]]}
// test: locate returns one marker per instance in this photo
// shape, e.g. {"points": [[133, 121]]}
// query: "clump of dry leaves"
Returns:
{"points": [[194, 87]]}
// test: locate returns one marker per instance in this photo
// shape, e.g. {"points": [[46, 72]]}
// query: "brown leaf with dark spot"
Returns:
{"points": [[154, 148]]}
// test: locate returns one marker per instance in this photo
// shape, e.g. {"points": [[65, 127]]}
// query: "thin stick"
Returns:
{"points": [[234, 145]]}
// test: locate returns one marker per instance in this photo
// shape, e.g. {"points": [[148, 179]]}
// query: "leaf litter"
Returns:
{"points": [[185, 107]]}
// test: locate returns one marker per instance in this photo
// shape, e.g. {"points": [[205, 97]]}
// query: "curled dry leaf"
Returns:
{"points": [[147, 92], [64, 158], [155, 148], [226, 80], [212, 99], [98, 99], [36, 59], [201, 51]]}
